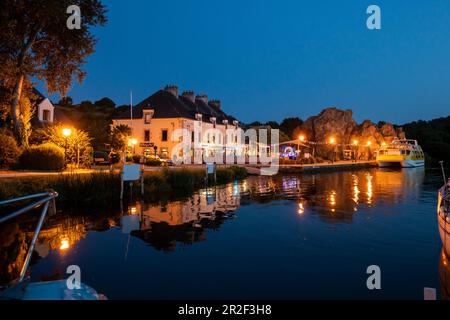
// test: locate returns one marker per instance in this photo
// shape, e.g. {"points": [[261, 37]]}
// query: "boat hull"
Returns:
{"points": [[52, 290], [401, 163], [443, 216]]}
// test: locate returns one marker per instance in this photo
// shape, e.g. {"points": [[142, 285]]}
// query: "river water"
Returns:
{"points": [[283, 237]]}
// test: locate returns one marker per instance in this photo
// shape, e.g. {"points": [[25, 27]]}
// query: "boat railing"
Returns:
{"points": [[47, 201]]}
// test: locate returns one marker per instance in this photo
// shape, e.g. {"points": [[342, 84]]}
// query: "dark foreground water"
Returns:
{"points": [[297, 237]]}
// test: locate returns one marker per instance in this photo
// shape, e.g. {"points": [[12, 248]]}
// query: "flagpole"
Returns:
{"points": [[131, 112]]}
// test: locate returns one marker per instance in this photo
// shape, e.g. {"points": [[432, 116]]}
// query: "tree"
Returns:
{"points": [[86, 106], [273, 124], [36, 43], [66, 101], [77, 145], [105, 103], [119, 137], [288, 125]]}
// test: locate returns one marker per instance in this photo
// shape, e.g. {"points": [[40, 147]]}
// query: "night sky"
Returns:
{"points": [[267, 60]]}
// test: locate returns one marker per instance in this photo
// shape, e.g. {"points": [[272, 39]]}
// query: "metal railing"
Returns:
{"points": [[48, 200]]}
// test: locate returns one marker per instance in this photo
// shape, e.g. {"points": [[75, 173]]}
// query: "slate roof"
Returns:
{"points": [[38, 96], [166, 105]]}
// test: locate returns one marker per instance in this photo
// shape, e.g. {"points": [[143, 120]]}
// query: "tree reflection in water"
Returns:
{"points": [[333, 198]]}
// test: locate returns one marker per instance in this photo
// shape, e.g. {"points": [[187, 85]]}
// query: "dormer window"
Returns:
{"points": [[235, 122], [213, 119], [225, 122], [198, 116], [148, 117]]}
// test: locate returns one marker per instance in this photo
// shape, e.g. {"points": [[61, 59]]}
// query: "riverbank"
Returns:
{"points": [[315, 168], [102, 188]]}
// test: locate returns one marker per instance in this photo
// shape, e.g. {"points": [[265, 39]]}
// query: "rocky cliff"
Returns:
{"points": [[340, 125]]}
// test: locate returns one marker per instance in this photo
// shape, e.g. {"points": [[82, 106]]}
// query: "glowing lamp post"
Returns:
{"points": [[66, 132], [368, 144], [355, 145], [133, 142], [301, 138], [333, 143]]}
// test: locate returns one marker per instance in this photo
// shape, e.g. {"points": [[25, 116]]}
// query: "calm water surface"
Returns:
{"points": [[298, 237]]}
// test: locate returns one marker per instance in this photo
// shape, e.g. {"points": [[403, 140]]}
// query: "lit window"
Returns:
{"points": [[147, 118]]}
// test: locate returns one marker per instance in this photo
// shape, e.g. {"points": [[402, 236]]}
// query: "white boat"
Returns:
{"points": [[403, 153], [443, 211], [22, 288]]}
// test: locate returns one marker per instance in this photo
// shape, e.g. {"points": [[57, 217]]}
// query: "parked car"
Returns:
{"points": [[154, 160], [100, 157]]}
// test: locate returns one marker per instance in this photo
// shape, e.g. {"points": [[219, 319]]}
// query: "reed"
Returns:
{"points": [[102, 189]]}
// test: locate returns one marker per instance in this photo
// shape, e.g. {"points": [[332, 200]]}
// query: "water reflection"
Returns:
{"points": [[186, 221], [333, 198]]}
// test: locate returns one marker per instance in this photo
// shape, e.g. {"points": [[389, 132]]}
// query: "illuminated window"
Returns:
{"points": [[147, 118]]}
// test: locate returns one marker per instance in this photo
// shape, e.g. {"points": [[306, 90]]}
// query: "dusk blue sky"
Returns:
{"points": [[267, 60]]}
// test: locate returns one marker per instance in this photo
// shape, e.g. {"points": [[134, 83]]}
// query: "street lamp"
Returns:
{"points": [[355, 144], [301, 138], [369, 155], [333, 143], [133, 142], [66, 132]]}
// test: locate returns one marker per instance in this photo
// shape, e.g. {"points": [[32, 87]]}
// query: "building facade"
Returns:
{"points": [[156, 122], [45, 111]]}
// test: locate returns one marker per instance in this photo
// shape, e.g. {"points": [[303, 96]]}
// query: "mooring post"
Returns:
{"points": [[121, 185], [142, 174]]}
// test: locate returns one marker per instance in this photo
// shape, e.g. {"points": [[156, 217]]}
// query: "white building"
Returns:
{"points": [[154, 121], [45, 111]]}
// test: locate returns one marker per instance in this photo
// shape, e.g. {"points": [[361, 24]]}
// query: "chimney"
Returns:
{"points": [[202, 97], [189, 95], [173, 89], [215, 103]]}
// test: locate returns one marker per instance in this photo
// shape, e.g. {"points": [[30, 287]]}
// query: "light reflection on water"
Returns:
{"points": [[292, 236]]}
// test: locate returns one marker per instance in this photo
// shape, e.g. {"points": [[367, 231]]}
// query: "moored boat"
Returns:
{"points": [[22, 288], [443, 210], [403, 153]]}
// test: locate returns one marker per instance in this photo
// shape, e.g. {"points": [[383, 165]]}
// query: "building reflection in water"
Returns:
{"points": [[334, 198], [185, 222]]}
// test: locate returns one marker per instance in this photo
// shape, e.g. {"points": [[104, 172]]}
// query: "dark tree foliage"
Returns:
{"points": [[433, 136], [105, 103], [66, 102], [36, 43], [289, 125]]}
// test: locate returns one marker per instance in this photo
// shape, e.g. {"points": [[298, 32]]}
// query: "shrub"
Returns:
{"points": [[46, 156], [153, 162], [136, 158], [9, 151]]}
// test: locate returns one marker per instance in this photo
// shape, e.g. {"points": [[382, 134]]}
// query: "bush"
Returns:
{"points": [[9, 151], [46, 156], [153, 162], [136, 158]]}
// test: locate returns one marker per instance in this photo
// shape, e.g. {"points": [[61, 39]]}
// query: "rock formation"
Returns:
{"points": [[364, 139]]}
